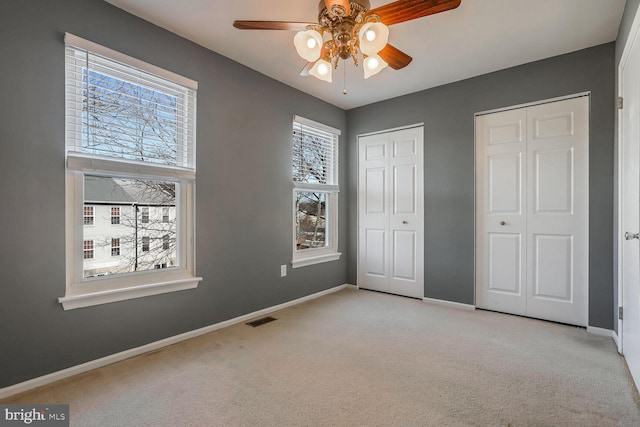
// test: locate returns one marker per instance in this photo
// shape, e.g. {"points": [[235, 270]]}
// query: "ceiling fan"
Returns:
{"points": [[346, 28]]}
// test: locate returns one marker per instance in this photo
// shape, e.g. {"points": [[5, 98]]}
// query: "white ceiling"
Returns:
{"points": [[478, 37]]}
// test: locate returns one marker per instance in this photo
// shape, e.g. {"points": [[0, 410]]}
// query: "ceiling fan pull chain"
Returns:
{"points": [[344, 84]]}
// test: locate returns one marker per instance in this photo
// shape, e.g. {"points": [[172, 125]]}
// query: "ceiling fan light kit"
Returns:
{"points": [[373, 65], [373, 37], [308, 44], [321, 70], [350, 29]]}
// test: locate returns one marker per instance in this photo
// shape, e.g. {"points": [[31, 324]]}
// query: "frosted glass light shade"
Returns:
{"points": [[322, 70], [308, 44], [373, 65], [373, 37]]}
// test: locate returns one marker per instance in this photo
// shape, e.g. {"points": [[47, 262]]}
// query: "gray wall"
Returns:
{"points": [[448, 116], [244, 196]]}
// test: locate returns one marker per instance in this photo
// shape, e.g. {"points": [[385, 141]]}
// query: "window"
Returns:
{"points": [[165, 215], [115, 247], [115, 215], [166, 242], [88, 215], [130, 148], [315, 194], [144, 215], [145, 243], [87, 249]]}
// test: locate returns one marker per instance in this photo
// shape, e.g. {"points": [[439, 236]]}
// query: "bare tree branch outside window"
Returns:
{"points": [[126, 120]]}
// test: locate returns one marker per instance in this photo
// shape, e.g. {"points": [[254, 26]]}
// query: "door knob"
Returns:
{"points": [[631, 236], [405, 222], [503, 223]]}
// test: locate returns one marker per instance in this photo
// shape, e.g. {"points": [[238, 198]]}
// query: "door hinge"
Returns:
{"points": [[620, 313], [620, 103]]}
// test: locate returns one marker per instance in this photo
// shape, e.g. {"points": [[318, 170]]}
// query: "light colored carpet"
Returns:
{"points": [[358, 358]]}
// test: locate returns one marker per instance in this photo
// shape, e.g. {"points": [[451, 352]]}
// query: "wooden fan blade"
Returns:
{"points": [[272, 25], [305, 71], [406, 10], [338, 7], [396, 58]]}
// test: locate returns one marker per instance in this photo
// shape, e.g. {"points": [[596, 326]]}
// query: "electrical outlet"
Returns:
{"points": [[283, 270]]}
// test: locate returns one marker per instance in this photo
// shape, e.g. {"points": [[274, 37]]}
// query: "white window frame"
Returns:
{"points": [[311, 256], [119, 215], [92, 249], [84, 292], [92, 216], [114, 240]]}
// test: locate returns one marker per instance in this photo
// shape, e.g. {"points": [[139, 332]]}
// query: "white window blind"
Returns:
{"points": [[121, 112], [315, 155]]}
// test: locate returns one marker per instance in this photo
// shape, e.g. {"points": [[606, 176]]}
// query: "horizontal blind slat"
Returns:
{"points": [[82, 45], [314, 156], [115, 110]]}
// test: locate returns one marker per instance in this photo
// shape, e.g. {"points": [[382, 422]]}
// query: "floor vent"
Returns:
{"points": [[262, 321]]}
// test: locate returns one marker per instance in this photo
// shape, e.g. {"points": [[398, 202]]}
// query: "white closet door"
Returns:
{"points": [[558, 211], [391, 217], [500, 198], [532, 222]]}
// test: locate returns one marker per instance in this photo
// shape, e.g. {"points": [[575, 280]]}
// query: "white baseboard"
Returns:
{"points": [[602, 332], [451, 304], [108, 360]]}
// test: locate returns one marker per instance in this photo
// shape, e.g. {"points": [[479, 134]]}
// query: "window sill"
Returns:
{"points": [[311, 260], [71, 302]]}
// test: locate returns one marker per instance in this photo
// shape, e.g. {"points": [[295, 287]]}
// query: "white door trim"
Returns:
{"points": [[534, 103], [378, 132], [618, 231]]}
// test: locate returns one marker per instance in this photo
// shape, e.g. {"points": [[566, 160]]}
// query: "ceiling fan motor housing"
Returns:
{"points": [[343, 29], [337, 11]]}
